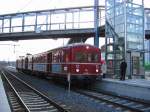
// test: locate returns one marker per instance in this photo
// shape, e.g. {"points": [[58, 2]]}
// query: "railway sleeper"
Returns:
{"points": [[33, 100], [122, 101], [26, 96], [43, 109], [34, 103], [146, 109], [18, 110], [38, 105]]}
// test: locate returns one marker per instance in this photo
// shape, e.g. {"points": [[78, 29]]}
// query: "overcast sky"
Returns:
{"points": [[36, 46]]}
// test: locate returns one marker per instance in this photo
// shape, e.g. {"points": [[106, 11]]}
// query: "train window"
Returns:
{"points": [[94, 57], [67, 58], [86, 57], [80, 57], [54, 58]]}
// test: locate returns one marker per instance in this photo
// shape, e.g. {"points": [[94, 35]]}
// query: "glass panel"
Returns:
{"points": [[133, 45], [110, 4], [6, 22], [110, 13], [119, 10], [16, 22], [147, 19], [134, 37], [135, 29], [134, 9], [119, 20], [111, 22], [118, 1], [139, 2], [134, 19], [110, 56], [30, 20], [92, 57], [119, 28], [1, 23], [121, 35]]}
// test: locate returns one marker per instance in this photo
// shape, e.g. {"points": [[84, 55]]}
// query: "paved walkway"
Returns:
{"points": [[4, 106], [136, 88], [133, 82]]}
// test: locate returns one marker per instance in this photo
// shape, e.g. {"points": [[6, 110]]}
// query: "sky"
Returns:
{"points": [[8, 53]]}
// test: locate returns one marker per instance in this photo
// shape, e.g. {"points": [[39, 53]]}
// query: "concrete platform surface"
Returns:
{"points": [[4, 106], [133, 82], [136, 88]]}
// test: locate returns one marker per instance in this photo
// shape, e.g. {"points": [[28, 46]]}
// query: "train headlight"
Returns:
{"points": [[87, 47], [97, 70], [77, 70]]}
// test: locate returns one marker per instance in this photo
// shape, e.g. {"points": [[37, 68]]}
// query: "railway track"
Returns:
{"points": [[119, 102], [24, 98]]}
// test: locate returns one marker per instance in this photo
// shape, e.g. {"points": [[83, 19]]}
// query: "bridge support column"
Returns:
{"points": [[96, 23]]}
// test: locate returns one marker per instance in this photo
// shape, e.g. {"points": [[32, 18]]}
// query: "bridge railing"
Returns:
{"points": [[55, 19]]}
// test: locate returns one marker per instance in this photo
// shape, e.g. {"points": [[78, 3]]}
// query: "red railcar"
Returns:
{"points": [[39, 62], [20, 63], [78, 61], [29, 64]]}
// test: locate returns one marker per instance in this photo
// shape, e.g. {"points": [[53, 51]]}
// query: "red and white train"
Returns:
{"points": [[78, 61]]}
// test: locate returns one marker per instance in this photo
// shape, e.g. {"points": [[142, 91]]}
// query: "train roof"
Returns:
{"points": [[79, 44], [67, 46], [73, 45]]}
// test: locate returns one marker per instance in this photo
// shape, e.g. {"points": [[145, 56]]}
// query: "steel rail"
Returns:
{"points": [[56, 105], [144, 102], [128, 107], [16, 93]]}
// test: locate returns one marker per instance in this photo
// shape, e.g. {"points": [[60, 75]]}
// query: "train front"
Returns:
{"points": [[86, 62]]}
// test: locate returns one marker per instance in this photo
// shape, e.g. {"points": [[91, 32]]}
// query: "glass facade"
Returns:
{"points": [[125, 26], [134, 25], [147, 42], [147, 19], [126, 17], [147, 49]]}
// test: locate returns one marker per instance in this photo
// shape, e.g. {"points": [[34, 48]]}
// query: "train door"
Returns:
{"points": [[67, 59], [135, 67], [32, 64], [26, 63], [21, 63], [16, 64], [49, 61]]}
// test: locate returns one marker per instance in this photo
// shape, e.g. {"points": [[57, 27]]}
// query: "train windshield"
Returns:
{"points": [[86, 57]]}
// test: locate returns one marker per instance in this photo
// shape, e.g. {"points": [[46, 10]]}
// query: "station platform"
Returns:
{"points": [[135, 88], [4, 105]]}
